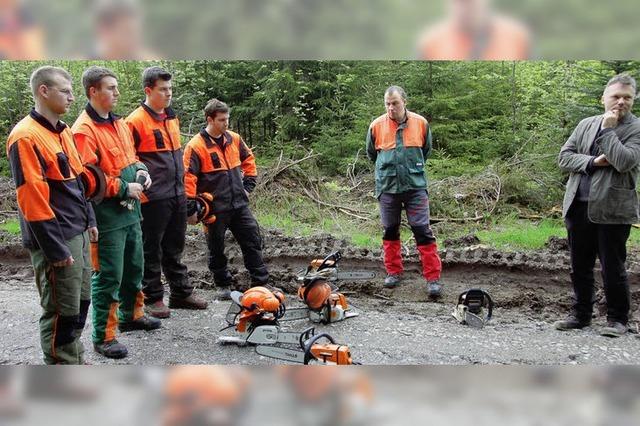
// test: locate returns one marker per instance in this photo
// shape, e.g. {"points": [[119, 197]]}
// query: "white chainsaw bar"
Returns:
{"points": [[301, 313], [284, 354], [268, 335], [355, 275]]}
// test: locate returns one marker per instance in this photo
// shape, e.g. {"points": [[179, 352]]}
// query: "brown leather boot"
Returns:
{"points": [[189, 302], [157, 309]]}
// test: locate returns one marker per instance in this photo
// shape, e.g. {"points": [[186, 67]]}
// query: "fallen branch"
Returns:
{"points": [[273, 173], [202, 282], [498, 191], [456, 219], [346, 210], [353, 214], [531, 216], [351, 169], [381, 296]]}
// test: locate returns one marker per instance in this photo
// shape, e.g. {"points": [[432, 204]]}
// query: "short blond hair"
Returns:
{"points": [[45, 75]]}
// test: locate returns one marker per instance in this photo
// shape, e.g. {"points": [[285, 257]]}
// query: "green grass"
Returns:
{"points": [[527, 235], [503, 233], [11, 226], [301, 216], [369, 241], [517, 234]]}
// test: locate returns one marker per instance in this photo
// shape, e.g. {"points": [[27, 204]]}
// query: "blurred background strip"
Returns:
{"points": [[328, 29]]}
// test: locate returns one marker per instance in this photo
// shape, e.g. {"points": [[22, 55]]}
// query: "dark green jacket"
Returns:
{"points": [[399, 152]]}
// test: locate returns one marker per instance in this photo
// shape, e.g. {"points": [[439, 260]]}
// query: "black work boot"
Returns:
{"points": [[392, 281], [571, 323], [223, 293], [614, 329], [111, 349], [434, 289], [145, 322]]}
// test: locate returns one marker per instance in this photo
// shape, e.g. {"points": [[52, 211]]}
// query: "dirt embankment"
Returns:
{"points": [[535, 281]]}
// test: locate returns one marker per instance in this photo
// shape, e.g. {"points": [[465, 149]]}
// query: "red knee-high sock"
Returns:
{"points": [[392, 257], [431, 264]]}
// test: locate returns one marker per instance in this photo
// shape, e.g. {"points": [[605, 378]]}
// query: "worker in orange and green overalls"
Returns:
{"points": [[103, 139], [55, 219]]}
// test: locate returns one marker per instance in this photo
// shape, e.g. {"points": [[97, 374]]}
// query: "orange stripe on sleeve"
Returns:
{"points": [[249, 164], [190, 179], [33, 194]]}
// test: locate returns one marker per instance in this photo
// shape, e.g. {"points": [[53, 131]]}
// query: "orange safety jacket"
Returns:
{"points": [[157, 144], [20, 35], [108, 144], [224, 171], [504, 39], [46, 169]]}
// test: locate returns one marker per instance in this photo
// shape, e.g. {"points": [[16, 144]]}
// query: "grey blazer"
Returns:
{"points": [[613, 198]]}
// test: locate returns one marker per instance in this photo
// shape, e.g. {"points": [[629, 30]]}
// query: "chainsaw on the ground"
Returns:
{"points": [[311, 352], [324, 303], [255, 313], [470, 309]]}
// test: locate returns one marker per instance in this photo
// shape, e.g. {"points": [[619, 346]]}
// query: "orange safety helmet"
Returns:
{"points": [[193, 391], [316, 294], [94, 182], [262, 299], [256, 303], [204, 208]]}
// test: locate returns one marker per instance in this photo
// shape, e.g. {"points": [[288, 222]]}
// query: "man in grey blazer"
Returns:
{"points": [[602, 156]]}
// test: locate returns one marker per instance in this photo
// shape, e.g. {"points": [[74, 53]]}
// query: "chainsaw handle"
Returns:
{"points": [[486, 297], [335, 256], [308, 356], [490, 303], [305, 335]]}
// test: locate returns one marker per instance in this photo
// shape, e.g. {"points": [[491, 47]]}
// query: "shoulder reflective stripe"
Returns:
{"points": [[16, 165], [136, 137], [215, 160], [43, 162], [194, 162], [159, 139], [63, 165]]}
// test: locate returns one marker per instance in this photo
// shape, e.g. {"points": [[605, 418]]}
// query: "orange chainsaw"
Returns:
{"points": [[254, 315], [324, 303], [311, 352]]}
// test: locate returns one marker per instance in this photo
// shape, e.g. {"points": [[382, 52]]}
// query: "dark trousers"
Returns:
{"points": [[586, 241], [245, 229], [163, 228], [416, 204]]}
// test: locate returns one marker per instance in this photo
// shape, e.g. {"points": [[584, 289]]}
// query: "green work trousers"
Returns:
{"points": [[116, 284], [65, 295]]}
